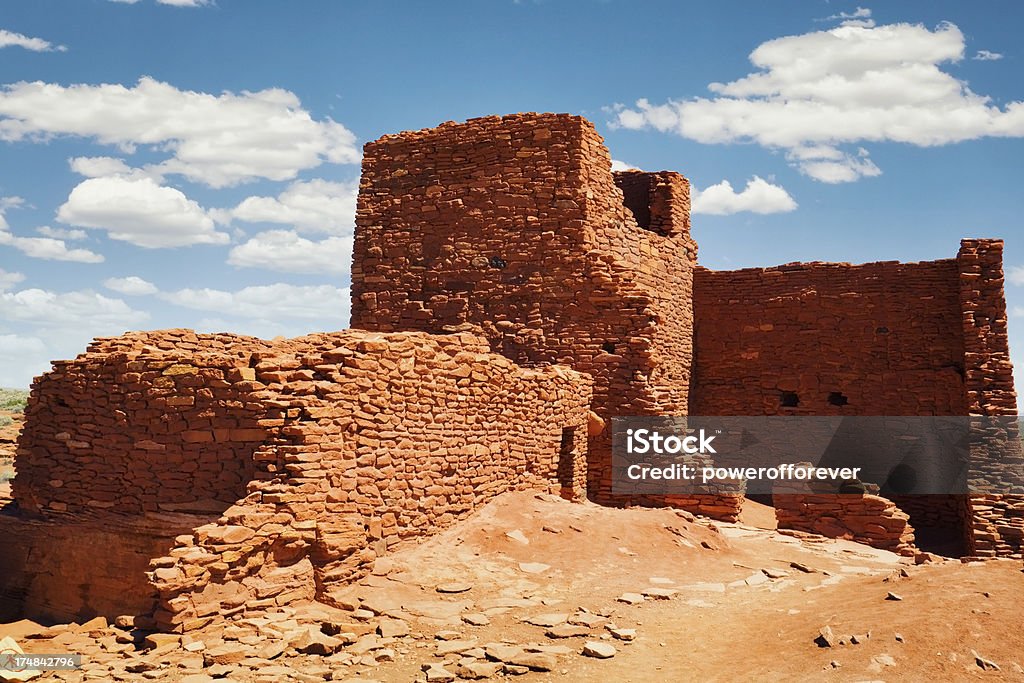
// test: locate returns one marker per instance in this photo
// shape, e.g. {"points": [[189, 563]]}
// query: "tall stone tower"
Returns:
{"points": [[518, 225]]}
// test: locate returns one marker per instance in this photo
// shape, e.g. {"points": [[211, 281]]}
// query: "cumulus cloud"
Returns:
{"points": [[759, 196], [321, 304], [8, 279], [859, 13], [8, 203], [70, 310], [130, 286], [623, 166], [48, 249], [11, 39], [986, 56], [1015, 275], [55, 325], [139, 211], [21, 358], [287, 252], [219, 140], [61, 233], [310, 206], [814, 93], [96, 167]]}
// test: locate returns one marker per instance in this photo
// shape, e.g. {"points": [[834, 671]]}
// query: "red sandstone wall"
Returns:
{"points": [[379, 439], [997, 520], [363, 440], [130, 427], [883, 335], [516, 224], [864, 518]]}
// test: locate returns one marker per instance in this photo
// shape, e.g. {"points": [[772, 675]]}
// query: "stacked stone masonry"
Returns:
{"points": [[324, 451], [510, 295], [517, 224]]}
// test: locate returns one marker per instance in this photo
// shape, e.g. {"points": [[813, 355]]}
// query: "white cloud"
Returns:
{"points": [[8, 279], [830, 165], [859, 13], [286, 251], [59, 325], [72, 310], [219, 140], [21, 358], [813, 93], [11, 39], [48, 249], [759, 196], [8, 203], [315, 206], [623, 166], [986, 56], [859, 17], [139, 211], [1016, 275], [96, 167], [324, 305], [130, 286], [61, 233]]}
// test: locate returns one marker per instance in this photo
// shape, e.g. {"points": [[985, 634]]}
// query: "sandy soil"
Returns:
{"points": [[728, 619]]}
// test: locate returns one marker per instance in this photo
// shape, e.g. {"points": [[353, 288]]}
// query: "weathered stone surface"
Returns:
{"points": [[393, 628], [595, 648], [567, 631], [535, 661], [477, 670], [227, 653]]}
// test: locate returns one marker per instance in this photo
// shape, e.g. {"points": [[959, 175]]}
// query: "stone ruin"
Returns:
{"points": [[510, 294]]}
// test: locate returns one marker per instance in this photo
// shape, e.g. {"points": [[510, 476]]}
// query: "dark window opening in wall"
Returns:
{"points": [[882, 330], [608, 347], [836, 398], [566, 463], [789, 399], [636, 195], [568, 439], [498, 262]]}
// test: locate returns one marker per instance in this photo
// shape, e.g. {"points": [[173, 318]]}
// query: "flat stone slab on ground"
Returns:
{"points": [[594, 648], [551, 619]]}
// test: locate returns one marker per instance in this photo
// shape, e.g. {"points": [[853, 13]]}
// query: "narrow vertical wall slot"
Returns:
{"points": [[566, 459]]}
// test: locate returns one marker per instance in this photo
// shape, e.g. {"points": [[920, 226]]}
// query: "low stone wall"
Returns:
{"points": [[864, 518], [351, 442], [998, 526]]}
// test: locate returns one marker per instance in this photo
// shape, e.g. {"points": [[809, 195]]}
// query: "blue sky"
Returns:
{"points": [[185, 163]]}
